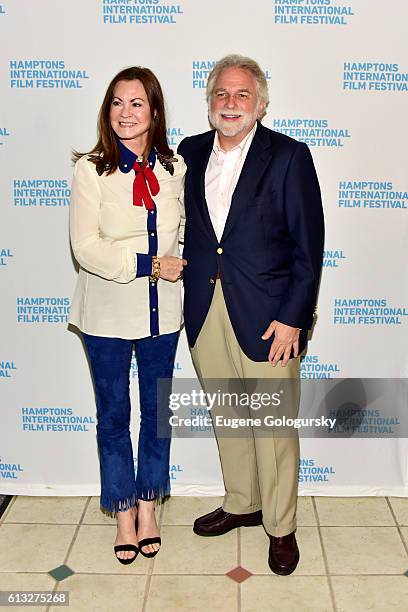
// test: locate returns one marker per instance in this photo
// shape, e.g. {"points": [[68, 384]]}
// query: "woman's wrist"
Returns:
{"points": [[155, 275]]}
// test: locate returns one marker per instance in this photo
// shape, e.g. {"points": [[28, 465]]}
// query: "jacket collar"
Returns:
{"points": [[255, 163]]}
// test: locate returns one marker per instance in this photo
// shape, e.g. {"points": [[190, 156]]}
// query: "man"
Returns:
{"points": [[253, 242]]}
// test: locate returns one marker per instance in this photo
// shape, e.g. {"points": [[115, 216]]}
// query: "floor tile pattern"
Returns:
{"points": [[354, 558]]}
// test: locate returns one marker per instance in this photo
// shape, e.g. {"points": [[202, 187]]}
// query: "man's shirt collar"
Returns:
{"points": [[241, 145]]}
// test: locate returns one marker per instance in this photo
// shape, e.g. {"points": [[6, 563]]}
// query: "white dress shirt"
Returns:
{"points": [[221, 177]]}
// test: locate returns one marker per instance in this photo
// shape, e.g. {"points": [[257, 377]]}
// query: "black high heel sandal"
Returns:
{"points": [[146, 542], [121, 547]]}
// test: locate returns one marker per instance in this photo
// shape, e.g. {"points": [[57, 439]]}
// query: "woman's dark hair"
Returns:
{"points": [[105, 154]]}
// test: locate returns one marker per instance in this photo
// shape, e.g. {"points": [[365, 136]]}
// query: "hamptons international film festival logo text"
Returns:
{"points": [[54, 419], [140, 12], [4, 134], [10, 470], [367, 311], [374, 76], [311, 471], [371, 194], [368, 421], [314, 132], [6, 256], [7, 369], [202, 68], [333, 258], [174, 136], [44, 310], [45, 74], [175, 469], [311, 366], [41, 193], [312, 12]]}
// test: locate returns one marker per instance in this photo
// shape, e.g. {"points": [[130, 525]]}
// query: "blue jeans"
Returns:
{"points": [[110, 361]]}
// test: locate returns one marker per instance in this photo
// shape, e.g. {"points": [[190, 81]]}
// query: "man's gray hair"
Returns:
{"points": [[245, 63]]}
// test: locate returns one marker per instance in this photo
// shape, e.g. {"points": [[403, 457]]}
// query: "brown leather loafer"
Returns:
{"points": [[283, 554], [219, 522]]}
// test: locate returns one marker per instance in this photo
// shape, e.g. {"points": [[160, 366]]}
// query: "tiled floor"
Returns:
{"points": [[354, 557]]}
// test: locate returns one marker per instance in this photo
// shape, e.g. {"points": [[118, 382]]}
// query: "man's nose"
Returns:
{"points": [[230, 102]]}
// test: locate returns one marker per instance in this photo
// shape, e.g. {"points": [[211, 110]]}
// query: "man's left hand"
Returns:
{"points": [[286, 338]]}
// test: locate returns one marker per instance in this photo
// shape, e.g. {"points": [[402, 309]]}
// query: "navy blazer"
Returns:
{"points": [[270, 255]]}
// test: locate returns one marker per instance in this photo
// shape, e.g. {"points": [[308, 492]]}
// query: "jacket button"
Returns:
{"points": [[212, 281], [220, 250]]}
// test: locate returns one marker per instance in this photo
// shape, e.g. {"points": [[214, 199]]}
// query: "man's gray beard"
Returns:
{"points": [[232, 130]]}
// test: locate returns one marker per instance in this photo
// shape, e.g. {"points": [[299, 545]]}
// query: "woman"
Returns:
{"points": [[125, 215]]}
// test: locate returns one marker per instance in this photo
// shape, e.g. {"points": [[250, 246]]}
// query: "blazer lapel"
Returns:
{"points": [[255, 163], [199, 165]]}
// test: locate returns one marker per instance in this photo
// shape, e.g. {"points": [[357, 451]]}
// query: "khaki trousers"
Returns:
{"points": [[260, 472]]}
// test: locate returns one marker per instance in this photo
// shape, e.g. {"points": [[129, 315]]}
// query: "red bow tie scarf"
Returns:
{"points": [[145, 185]]}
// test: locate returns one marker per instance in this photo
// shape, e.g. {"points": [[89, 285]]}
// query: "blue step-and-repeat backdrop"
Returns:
{"points": [[338, 78]]}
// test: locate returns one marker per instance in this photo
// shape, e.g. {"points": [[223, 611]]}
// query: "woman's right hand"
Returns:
{"points": [[171, 268]]}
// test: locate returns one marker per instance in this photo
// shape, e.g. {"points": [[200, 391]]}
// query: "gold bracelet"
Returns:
{"points": [[155, 275]]}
